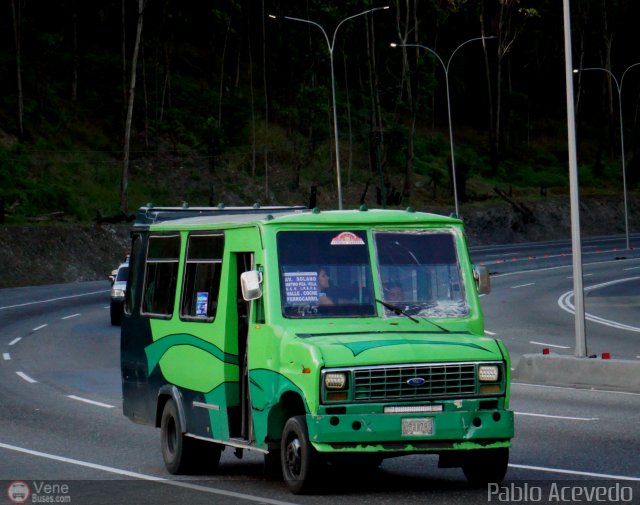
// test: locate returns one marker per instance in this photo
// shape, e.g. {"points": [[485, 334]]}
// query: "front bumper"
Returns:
{"points": [[461, 425]]}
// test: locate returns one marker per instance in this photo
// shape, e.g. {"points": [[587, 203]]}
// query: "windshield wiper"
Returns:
{"points": [[399, 312]]}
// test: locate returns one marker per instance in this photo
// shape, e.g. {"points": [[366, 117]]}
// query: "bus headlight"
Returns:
{"points": [[488, 373], [336, 386], [335, 380]]}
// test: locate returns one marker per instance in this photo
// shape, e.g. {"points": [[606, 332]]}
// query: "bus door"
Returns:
{"points": [[243, 428]]}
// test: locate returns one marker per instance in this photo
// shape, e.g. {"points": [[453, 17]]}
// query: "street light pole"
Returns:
{"points": [[576, 247], [624, 166], [445, 67], [330, 46]]}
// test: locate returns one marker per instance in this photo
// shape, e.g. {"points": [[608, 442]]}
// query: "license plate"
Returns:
{"points": [[417, 427]]}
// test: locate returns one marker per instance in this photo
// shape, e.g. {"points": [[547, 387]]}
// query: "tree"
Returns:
{"points": [[124, 183], [17, 22]]}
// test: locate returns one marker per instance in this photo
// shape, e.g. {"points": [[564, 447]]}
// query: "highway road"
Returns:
{"points": [[61, 422]]}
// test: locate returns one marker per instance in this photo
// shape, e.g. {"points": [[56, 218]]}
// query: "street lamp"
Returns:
{"points": [[331, 45], [624, 168], [445, 67]]}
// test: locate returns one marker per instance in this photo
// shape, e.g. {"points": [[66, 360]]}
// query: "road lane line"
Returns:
{"points": [[24, 376], [92, 402], [574, 472], [15, 341], [26, 304], [567, 418], [6, 356], [142, 476], [40, 327], [588, 390], [549, 345], [69, 317], [565, 304], [522, 285], [545, 269], [631, 268]]}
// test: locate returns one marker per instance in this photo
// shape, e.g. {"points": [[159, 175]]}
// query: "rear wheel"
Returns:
{"points": [[485, 466], [183, 454], [298, 457]]}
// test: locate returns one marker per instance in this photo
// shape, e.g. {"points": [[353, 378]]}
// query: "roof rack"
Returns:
{"points": [[149, 214]]}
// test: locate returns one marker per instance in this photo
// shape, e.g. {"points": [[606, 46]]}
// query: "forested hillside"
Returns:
{"points": [[107, 105]]}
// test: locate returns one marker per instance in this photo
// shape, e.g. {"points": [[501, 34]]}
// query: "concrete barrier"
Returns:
{"points": [[563, 370]]}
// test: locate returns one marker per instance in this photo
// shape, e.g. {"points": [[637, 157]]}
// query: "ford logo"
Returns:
{"points": [[416, 381]]}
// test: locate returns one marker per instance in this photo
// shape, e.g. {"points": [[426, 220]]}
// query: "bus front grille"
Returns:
{"points": [[407, 383]]}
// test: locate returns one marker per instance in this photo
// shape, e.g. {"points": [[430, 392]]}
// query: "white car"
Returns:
{"points": [[117, 293]]}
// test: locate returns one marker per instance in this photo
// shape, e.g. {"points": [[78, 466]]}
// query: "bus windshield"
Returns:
{"points": [[419, 273], [329, 274], [325, 274]]}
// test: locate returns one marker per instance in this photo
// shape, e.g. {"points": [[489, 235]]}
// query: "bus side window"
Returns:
{"points": [[202, 277], [161, 273]]}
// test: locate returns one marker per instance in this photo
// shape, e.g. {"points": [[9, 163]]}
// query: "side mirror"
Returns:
{"points": [[483, 281], [250, 282]]}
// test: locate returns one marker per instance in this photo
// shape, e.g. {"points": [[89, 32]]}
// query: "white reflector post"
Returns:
{"points": [[578, 293]]}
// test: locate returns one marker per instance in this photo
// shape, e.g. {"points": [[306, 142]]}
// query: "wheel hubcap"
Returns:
{"points": [[293, 457]]}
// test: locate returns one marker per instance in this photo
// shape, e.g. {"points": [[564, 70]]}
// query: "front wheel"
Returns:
{"points": [[298, 457], [485, 466]]}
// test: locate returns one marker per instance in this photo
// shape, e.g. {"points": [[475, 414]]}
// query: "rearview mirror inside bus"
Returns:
{"points": [[251, 281]]}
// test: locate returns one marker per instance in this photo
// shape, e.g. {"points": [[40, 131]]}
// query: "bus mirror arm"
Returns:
{"points": [[250, 282]]}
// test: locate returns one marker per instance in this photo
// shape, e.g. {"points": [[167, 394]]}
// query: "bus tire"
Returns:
{"points": [[298, 457], [485, 466], [177, 450]]}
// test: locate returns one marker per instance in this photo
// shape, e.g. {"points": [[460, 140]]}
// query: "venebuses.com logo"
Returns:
{"points": [[18, 491]]}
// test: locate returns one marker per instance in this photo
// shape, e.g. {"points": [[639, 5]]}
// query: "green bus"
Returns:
{"points": [[313, 337]]}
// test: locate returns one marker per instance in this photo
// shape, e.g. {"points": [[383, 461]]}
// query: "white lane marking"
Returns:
{"points": [[588, 390], [92, 402], [142, 476], [24, 376], [574, 472], [568, 418], [565, 304], [631, 268], [487, 332], [546, 269], [26, 304], [69, 317], [15, 341], [522, 285], [6, 356], [583, 275], [549, 345], [40, 327]]}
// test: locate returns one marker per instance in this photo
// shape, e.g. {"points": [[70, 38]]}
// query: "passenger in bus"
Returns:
{"points": [[323, 287], [393, 292]]}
